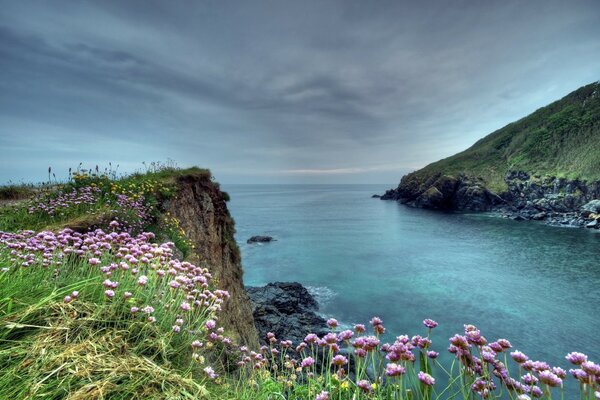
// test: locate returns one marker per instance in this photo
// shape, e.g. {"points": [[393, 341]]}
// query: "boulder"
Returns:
{"points": [[260, 239], [591, 207], [376, 196], [287, 309], [592, 224]]}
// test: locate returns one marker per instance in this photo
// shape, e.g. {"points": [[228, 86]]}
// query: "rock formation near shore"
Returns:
{"points": [[545, 166]]}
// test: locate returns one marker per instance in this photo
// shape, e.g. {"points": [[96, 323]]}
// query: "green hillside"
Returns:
{"points": [[561, 139]]}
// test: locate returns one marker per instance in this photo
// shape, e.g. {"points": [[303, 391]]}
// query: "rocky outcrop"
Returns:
{"points": [[260, 239], [200, 207], [444, 192], [287, 309], [558, 201]]}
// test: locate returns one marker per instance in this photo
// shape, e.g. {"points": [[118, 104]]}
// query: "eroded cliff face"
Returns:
{"points": [[200, 207]]}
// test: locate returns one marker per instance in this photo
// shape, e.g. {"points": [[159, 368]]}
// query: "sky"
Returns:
{"points": [[312, 91]]}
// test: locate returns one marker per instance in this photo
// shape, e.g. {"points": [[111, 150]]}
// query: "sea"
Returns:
{"points": [[537, 286]]}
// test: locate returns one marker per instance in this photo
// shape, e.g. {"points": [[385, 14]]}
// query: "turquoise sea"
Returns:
{"points": [[536, 285]]}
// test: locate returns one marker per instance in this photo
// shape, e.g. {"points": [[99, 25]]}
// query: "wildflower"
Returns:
{"points": [[127, 295], [432, 354], [359, 328], [210, 373], [519, 357], [345, 335], [576, 358], [148, 309], [530, 379], [151, 320], [311, 338], [322, 396], [332, 323], [210, 324], [142, 280], [94, 261], [523, 397], [339, 360], [426, 378], [75, 294], [134, 310], [67, 299], [196, 344], [504, 343], [429, 323], [550, 378], [109, 293], [591, 368], [364, 385], [394, 369], [176, 328], [185, 306], [307, 362]]}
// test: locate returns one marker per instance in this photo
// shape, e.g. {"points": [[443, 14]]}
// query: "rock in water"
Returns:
{"points": [[260, 239], [287, 309], [591, 207]]}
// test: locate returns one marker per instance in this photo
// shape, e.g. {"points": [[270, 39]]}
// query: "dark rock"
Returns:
{"points": [[593, 224], [287, 309], [376, 196], [539, 216], [518, 217], [260, 239]]}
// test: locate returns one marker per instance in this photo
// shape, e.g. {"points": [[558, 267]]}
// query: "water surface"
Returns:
{"points": [[536, 285]]}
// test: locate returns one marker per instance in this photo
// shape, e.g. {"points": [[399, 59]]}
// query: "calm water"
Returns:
{"points": [[538, 286]]}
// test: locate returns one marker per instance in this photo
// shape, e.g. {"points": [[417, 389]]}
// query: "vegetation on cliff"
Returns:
{"points": [[559, 140], [99, 301]]}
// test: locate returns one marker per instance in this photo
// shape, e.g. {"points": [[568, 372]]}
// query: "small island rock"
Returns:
{"points": [[260, 239]]}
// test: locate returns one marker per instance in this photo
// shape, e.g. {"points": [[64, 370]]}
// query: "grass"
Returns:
{"points": [[559, 140], [55, 344]]}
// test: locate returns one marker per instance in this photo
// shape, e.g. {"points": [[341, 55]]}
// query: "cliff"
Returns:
{"points": [[547, 162], [201, 208]]}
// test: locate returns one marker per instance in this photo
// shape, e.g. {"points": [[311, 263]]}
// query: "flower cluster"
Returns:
{"points": [[131, 273], [53, 204]]}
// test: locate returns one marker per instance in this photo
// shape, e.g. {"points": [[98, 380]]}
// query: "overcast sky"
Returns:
{"points": [[278, 91]]}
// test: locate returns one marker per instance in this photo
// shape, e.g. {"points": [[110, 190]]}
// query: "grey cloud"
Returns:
{"points": [[269, 86]]}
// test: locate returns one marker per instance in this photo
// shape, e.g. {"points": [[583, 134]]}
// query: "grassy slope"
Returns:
{"points": [[561, 139], [83, 350]]}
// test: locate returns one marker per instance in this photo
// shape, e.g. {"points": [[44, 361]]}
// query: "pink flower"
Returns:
{"points": [[322, 396], [429, 323], [307, 362], [426, 379], [339, 360], [210, 372], [142, 280], [210, 324], [332, 323], [185, 306], [109, 293]]}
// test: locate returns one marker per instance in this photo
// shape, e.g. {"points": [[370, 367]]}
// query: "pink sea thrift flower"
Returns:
{"points": [[210, 324], [339, 360], [394, 369], [109, 293], [185, 306], [519, 357], [322, 396], [426, 378], [210, 373], [429, 323], [307, 362], [364, 385], [142, 280], [332, 323], [576, 358]]}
